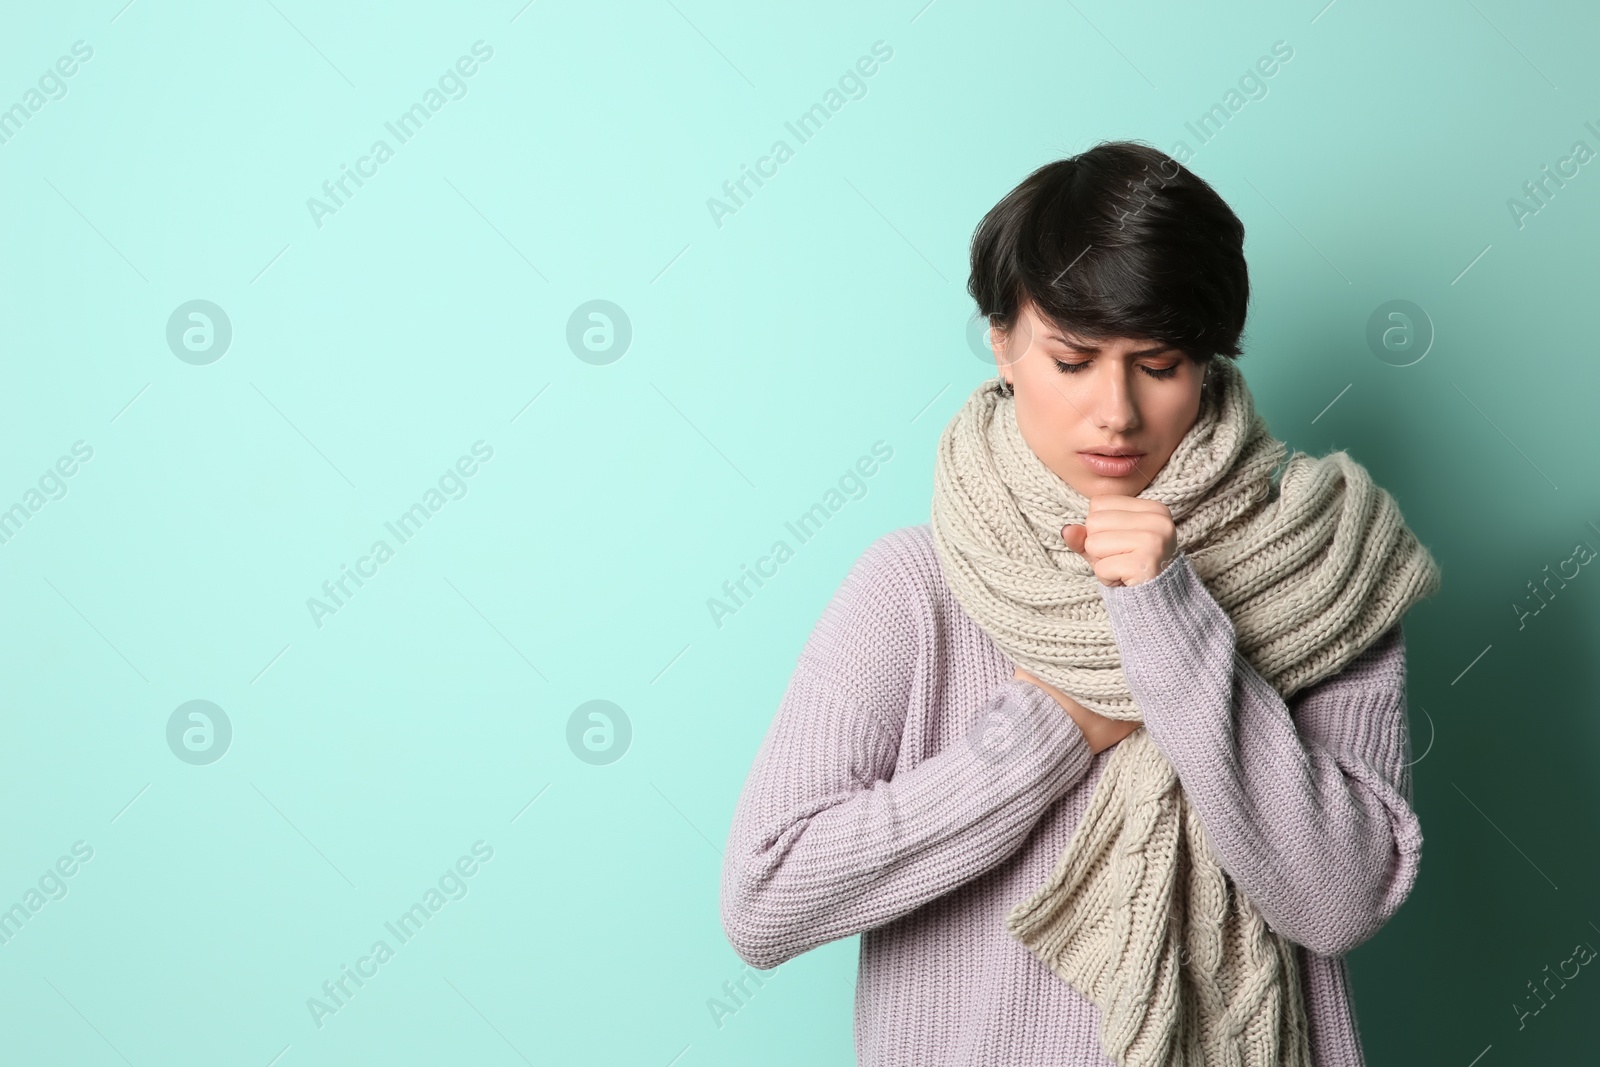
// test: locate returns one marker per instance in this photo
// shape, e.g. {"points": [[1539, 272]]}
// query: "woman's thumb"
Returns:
{"points": [[1075, 534]]}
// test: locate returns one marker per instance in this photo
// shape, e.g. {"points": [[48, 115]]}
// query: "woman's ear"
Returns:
{"points": [[997, 340], [997, 345]]}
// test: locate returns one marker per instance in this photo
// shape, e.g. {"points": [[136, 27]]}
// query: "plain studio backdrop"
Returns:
{"points": [[398, 402]]}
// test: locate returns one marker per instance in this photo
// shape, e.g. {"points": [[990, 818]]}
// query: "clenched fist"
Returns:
{"points": [[1127, 539]]}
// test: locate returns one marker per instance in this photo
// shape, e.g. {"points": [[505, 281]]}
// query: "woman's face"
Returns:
{"points": [[1121, 394]]}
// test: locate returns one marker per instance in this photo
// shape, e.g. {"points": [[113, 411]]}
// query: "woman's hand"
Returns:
{"points": [[1099, 731], [1127, 539]]}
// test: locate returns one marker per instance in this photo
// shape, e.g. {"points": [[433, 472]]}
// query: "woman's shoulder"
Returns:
{"points": [[906, 552], [894, 592], [893, 624], [903, 564]]}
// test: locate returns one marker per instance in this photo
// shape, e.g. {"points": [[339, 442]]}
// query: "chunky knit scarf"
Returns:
{"points": [[1312, 567]]}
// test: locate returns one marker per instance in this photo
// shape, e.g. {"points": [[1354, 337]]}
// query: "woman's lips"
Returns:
{"points": [[1111, 466]]}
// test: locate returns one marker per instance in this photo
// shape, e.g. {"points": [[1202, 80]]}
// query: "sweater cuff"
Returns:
{"points": [[1021, 726], [1170, 631]]}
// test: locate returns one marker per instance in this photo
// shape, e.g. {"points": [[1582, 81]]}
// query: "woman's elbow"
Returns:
{"points": [[756, 906], [763, 956], [1342, 935], [746, 923], [1350, 912]]}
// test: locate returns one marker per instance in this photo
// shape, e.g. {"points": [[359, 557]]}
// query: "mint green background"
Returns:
{"points": [[768, 354]]}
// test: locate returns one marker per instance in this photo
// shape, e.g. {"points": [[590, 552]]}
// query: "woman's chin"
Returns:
{"points": [[1091, 484]]}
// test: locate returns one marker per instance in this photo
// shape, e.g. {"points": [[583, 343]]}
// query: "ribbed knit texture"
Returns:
{"points": [[1139, 915], [911, 791]]}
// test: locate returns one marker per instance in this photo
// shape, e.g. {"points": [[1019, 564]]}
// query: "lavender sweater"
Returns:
{"points": [[879, 804]]}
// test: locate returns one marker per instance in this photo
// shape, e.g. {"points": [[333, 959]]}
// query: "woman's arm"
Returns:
{"points": [[827, 840], [1307, 810]]}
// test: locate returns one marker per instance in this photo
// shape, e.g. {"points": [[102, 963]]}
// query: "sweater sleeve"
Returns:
{"points": [[1308, 810], [831, 834]]}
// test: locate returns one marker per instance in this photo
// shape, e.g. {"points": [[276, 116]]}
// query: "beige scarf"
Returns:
{"points": [[1312, 568]]}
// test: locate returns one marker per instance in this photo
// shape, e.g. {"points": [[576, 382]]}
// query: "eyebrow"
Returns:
{"points": [[1079, 346]]}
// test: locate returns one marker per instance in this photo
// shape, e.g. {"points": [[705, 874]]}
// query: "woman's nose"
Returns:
{"points": [[1114, 409]]}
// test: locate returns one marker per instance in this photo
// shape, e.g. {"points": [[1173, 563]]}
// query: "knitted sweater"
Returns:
{"points": [[880, 805]]}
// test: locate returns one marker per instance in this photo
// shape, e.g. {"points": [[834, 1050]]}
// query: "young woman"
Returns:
{"points": [[1107, 763]]}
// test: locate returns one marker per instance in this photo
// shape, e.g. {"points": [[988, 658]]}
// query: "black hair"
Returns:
{"points": [[1119, 241]]}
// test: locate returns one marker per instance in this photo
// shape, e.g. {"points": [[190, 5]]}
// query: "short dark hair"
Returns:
{"points": [[1119, 241]]}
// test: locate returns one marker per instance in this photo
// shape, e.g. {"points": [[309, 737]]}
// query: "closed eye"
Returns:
{"points": [[1073, 368]]}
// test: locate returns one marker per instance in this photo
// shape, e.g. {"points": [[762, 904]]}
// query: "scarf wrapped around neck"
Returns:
{"points": [[1311, 566]]}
